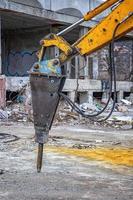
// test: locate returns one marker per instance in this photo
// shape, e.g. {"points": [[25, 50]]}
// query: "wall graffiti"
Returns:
{"points": [[18, 63]]}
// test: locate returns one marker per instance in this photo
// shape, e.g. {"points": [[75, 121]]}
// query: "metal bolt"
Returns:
{"points": [[104, 29], [36, 66], [55, 62], [116, 20], [90, 40]]}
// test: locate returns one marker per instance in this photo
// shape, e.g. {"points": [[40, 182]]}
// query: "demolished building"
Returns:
{"points": [[24, 23]]}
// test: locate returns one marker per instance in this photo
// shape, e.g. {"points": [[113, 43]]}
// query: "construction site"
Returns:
{"points": [[66, 99]]}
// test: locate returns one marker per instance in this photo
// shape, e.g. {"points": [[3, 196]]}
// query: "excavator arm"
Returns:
{"points": [[46, 76], [98, 36]]}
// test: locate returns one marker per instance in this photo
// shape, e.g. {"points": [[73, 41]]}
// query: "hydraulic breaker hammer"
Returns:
{"points": [[46, 83]]}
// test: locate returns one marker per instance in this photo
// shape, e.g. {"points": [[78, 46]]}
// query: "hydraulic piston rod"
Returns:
{"points": [[88, 16]]}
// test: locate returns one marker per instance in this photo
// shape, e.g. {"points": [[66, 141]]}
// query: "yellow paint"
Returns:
{"points": [[99, 9], [58, 42], [116, 156], [102, 34]]}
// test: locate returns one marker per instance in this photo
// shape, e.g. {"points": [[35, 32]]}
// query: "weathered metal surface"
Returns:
{"points": [[48, 67], [45, 100], [39, 157]]}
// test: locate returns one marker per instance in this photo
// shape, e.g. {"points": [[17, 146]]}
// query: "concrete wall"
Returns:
{"points": [[123, 60], [20, 52]]}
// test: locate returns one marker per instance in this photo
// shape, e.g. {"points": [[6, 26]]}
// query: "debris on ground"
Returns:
{"points": [[122, 108], [65, 114], [128, 103], [1, 171], [83, 146], [3, 115], [88, 107], [19, 109], [17, 113]]}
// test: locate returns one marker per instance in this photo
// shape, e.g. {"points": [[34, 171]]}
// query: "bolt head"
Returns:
{"points": [[55, 62]]}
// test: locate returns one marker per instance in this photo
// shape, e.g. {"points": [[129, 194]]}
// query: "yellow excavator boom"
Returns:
{"points": [[98, 36], [102, 34]]}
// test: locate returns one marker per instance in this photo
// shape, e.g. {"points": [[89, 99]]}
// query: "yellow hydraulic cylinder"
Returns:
{"points": [[99, 9]]}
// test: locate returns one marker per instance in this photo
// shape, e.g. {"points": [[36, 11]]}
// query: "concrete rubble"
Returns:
{"points": [[20, 109], [3, 114]]}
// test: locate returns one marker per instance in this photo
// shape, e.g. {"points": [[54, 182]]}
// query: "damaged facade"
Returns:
{"points": [[24, 24]]}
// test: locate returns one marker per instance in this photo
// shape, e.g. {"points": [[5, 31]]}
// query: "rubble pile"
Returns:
{"points": [[124, 105], [19, 108], [65, 114]]}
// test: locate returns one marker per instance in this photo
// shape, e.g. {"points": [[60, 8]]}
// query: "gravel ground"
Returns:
{"points": [[63, 176]]}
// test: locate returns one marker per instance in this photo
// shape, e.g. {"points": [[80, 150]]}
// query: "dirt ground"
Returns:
{"points": [[78, 163]]}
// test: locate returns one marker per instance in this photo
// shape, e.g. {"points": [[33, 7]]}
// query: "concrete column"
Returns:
{"points": [[131, 97], [71, 95], [2, 79], [86, 97], [86, 69], [131, 94], [90, 97], [105, 97], [2, 91], [120, 96], [90, 67], [68, 69], [95, 67], [77, 67], [82, 62], [0, 49]]}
